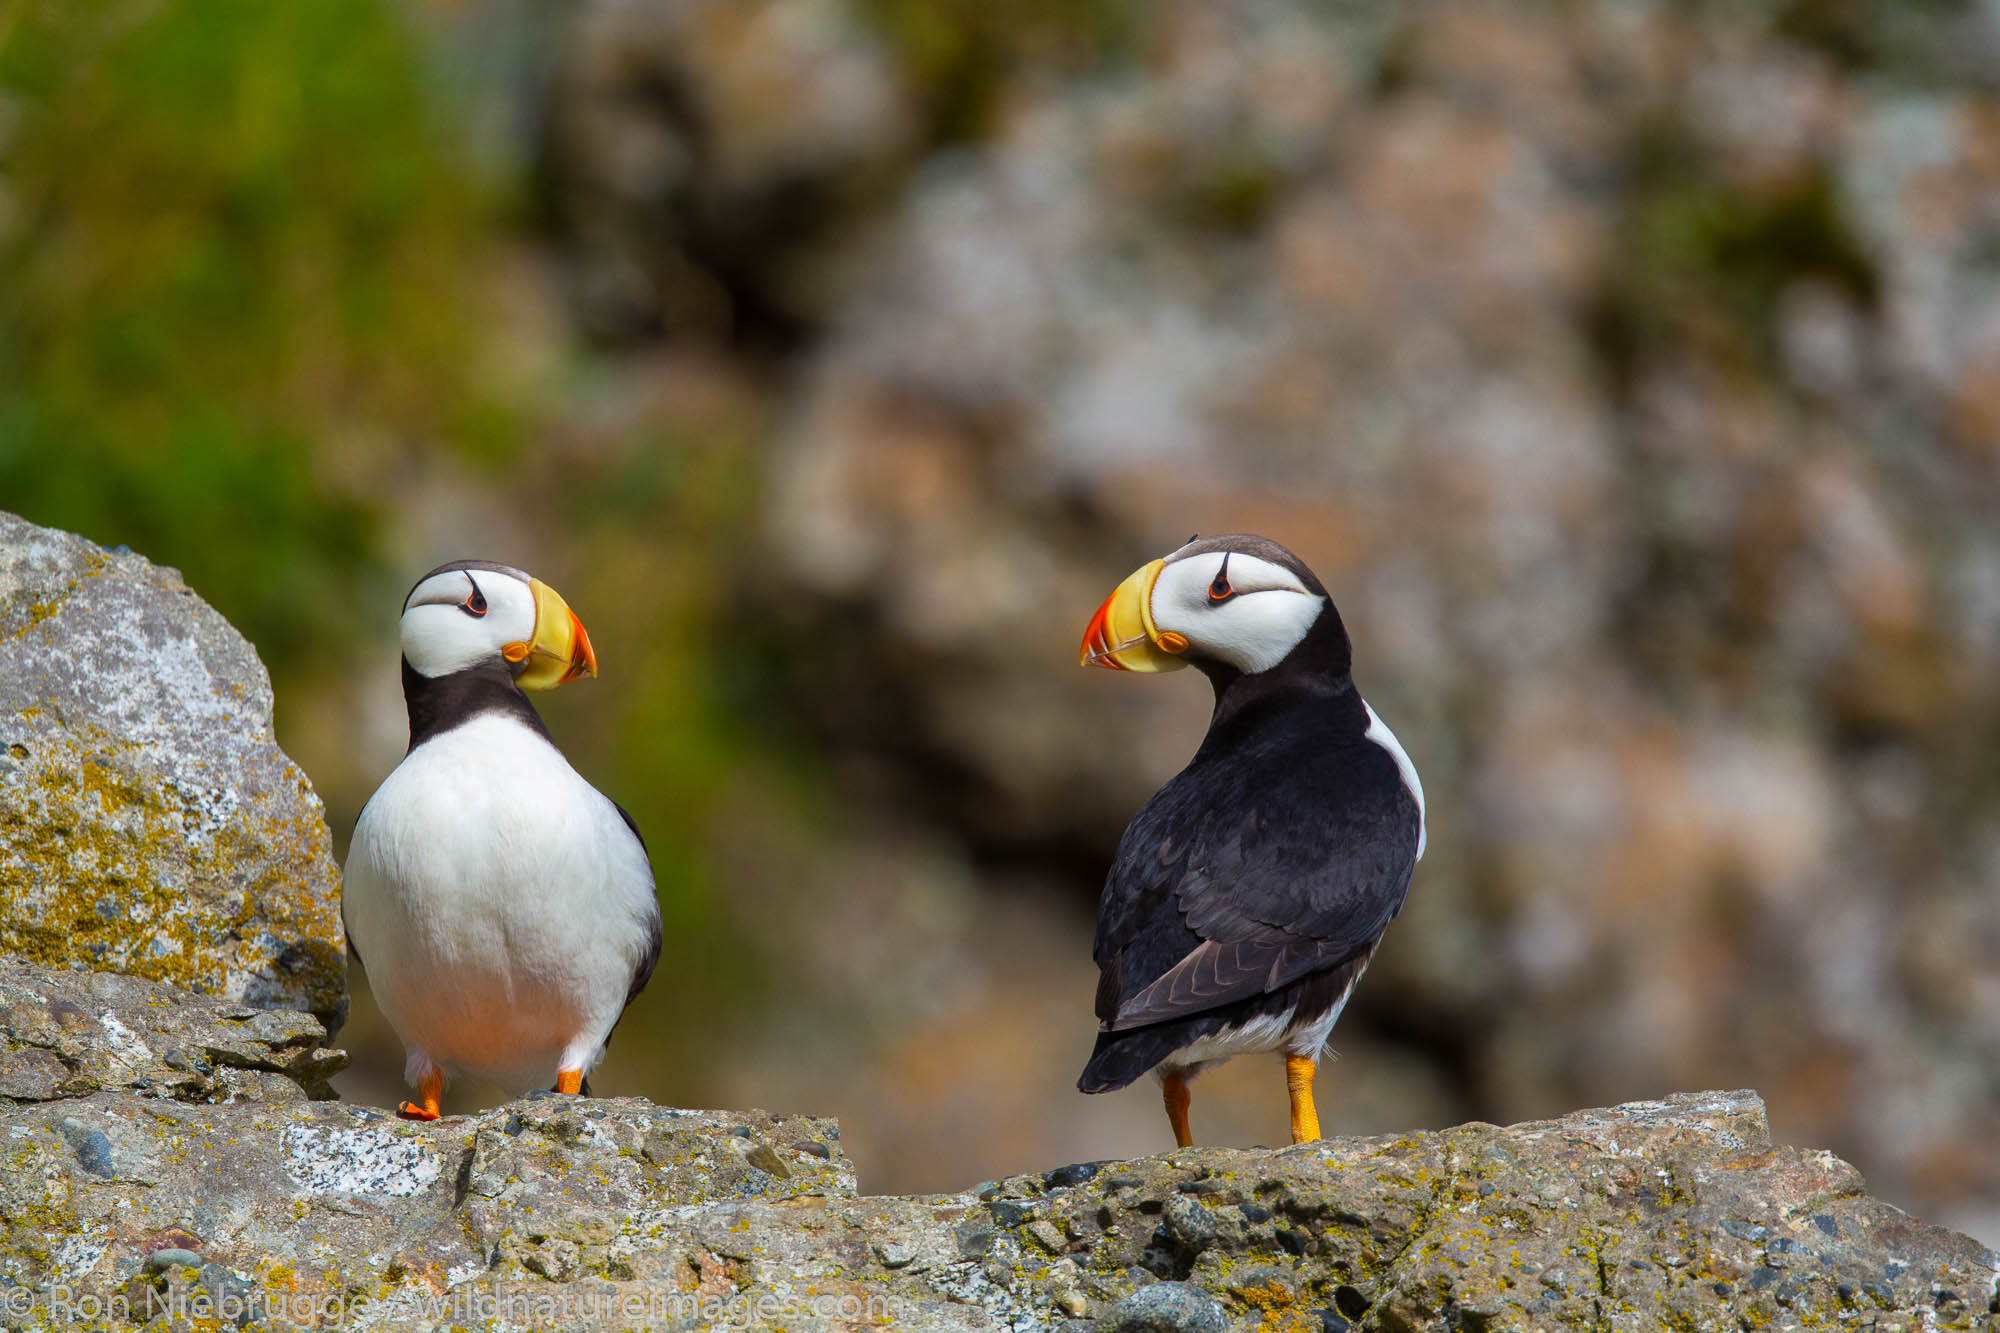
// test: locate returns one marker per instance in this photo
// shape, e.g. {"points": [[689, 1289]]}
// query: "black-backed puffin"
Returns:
{"points": [[1250, 892], [503, 906]]}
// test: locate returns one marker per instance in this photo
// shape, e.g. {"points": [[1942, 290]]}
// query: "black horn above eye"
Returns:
{"points": [[475, 604]]}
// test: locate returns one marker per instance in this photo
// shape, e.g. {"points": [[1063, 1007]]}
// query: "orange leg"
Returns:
{"points": [[1299, 1080], [569, 1080], [430, 1087], [1174, 1092]]}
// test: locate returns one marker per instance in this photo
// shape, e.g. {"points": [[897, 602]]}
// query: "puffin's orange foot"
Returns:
{"points": [[569, 1080], [430, 1087], [1299, 1082], [1174, 1092]]}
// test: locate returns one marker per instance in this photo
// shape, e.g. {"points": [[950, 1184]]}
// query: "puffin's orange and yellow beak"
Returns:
{"points": [[1122, 635], [560, 651]]}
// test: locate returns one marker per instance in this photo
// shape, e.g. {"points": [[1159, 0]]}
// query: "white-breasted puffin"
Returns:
{"points": [[503, 906], [1249, 893]]}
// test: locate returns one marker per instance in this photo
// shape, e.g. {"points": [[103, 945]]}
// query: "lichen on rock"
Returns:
{"points": [[149, 823]]}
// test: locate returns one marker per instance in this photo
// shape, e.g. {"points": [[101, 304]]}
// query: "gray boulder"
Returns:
{"points": [[149, 823], [1168, 1307]]}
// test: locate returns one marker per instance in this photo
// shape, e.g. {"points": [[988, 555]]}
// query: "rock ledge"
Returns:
{"points": [[558, 1213]]}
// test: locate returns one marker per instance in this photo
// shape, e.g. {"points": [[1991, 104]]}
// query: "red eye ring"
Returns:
{"points": [[474, 605]]}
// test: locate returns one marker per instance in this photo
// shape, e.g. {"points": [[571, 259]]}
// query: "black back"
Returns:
{"points": [[1285, 847]]}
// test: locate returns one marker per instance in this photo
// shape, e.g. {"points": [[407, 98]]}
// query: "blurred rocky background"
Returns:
{"points": [[1630, 372]]}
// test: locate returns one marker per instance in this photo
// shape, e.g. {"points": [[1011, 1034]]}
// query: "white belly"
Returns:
{"points": [[1276, 1032], [499, 904]]}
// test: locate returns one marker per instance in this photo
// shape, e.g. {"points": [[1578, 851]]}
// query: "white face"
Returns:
{"points": [[462, 617], [1234, 607]]}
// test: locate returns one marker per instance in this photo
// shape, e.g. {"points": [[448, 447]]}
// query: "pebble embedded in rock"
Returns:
{"points": [[975, 1238], [92, 1148], [1012, 1212], [1167, 1307], [1074, 1174], [174, 1238], [895, 1253], [765, 1158], [161, 1260], [1189, 1223], [1047, 1235]]}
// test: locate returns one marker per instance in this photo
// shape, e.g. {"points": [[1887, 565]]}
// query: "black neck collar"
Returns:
{"points": [[439, 703], [1321, 664]]}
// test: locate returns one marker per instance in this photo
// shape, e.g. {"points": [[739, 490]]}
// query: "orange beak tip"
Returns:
{"points": [[583, 659], [1096, 649]]}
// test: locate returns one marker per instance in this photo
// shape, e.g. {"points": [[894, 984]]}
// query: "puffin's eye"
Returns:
{"points": [[1219, 590], [475, 605]]}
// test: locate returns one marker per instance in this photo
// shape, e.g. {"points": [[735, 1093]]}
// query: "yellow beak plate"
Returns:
{"points": [[560, 650], [1122, 635]]}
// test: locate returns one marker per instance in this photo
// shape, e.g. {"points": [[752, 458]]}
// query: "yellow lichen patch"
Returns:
{"points": [[1278, 1310]]}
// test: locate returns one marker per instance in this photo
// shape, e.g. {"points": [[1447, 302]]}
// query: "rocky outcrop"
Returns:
{"points": [[149, 823], [69, 1034], [564, 1213]]}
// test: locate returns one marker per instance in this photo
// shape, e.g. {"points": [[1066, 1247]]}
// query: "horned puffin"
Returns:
{"points": [[1248, 894], [502, 906]]}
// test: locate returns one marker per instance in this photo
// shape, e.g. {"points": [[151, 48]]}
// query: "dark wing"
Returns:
{"points": [[1246, 874], [632, 824], [352, 952], [649, 960]]}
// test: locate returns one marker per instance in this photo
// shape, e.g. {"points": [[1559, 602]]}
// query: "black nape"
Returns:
{"points": [[1321, 663]]}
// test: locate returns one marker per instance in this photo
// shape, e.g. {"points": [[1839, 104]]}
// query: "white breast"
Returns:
{"points": [[499, 904]]}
